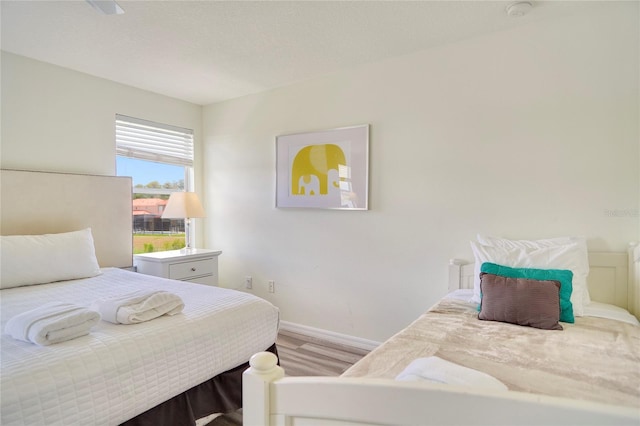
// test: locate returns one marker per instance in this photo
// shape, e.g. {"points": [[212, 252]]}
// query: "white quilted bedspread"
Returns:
{"points": [[120, 371]]}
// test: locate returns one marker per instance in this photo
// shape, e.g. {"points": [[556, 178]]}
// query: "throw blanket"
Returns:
{"points": [[139, 306], [52, 323], [435, 369], [595, 359]]}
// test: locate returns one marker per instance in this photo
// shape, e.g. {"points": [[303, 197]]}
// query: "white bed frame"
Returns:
{"points": [[269, 398], [614, 278]]}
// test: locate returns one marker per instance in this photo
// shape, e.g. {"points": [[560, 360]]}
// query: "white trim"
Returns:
{"points": [[455, 274], [329, 336], [634, 279]]}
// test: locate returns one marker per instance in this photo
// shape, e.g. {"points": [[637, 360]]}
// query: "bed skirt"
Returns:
{"points": [[221, 394]]}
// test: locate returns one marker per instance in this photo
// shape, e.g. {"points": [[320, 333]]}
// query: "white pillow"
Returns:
{"points": [[558, 257], [534, 244], [582, 256], [38, 259]]}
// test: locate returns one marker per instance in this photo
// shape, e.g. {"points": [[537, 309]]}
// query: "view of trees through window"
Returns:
{"points": [[153, 183]]}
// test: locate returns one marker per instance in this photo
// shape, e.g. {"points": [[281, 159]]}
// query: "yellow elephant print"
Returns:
{"points": [[315, 170]]}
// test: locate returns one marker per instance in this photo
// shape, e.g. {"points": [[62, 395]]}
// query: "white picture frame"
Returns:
{"points": [[326, 169]]}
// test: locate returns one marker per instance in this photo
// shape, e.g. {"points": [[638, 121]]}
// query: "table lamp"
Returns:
{"points": [[184, 205]]}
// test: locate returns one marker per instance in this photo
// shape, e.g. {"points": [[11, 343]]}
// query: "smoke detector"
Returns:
{"points": [[519, 8]]}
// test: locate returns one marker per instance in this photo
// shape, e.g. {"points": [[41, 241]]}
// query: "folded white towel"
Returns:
{"points": [[435, 369], [51, 323], [139, 306]]}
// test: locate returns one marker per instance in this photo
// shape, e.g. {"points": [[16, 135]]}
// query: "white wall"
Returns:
{"points": [[528, 133], [56, 119]]}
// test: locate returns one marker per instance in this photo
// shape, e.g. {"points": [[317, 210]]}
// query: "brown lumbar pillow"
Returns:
{"points": [[534, 303]]}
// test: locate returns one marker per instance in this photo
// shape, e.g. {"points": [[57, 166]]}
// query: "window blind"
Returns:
{"points": [[146, 140]]}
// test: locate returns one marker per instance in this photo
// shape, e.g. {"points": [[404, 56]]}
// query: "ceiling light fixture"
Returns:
{"points": [[519, 8], [106, 7]]}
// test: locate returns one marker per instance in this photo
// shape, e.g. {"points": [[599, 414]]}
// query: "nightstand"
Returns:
{"points": [[196, 265]]}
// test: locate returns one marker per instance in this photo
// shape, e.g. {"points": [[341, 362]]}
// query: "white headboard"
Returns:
{"points": [[46, 203], [614, 278]]}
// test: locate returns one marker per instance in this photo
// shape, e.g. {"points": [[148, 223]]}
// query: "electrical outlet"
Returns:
{"points": [[272, 286], [248, 282]]}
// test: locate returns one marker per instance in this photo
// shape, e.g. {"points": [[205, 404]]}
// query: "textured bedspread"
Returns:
{"points": [[594, 359], [118, 371]]}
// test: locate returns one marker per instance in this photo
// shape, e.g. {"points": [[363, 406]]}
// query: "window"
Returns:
{"points": [[159, 158]]}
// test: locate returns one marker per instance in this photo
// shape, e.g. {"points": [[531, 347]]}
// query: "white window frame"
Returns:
{"points": [[157, 142]]}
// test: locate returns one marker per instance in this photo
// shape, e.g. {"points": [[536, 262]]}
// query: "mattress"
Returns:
{"points": [[119, 371], [594, 359]]}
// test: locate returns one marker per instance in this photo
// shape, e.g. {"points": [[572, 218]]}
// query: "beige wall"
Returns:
{"points": [[55, 119], [528, 133]]}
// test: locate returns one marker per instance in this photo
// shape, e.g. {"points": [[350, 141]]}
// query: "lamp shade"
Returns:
{"points": [[183, 205]]}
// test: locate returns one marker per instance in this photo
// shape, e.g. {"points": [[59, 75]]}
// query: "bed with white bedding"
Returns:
{"points": [[450, 367], [118, 371], [68, 238]]}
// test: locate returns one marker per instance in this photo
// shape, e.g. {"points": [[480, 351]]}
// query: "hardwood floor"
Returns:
{"points": [[304, 356], [301, 355]]}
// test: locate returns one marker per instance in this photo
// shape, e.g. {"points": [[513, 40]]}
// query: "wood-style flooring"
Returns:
{"points": [[302, 355]]}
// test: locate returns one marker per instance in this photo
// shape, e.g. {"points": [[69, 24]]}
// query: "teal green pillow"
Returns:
{"points": [[564, 276]]}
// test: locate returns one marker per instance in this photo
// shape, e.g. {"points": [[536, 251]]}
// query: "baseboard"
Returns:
{"points": [[329, 336]]}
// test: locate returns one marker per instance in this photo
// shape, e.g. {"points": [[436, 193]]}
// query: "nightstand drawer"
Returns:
{"points": [[187, 270], [195, 265], [207, 279]]}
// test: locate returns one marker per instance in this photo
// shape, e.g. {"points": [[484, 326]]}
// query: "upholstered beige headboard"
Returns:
{"points": [[34, 203]]}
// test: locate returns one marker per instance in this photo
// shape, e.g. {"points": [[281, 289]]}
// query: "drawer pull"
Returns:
{"points": [[189, 270]]}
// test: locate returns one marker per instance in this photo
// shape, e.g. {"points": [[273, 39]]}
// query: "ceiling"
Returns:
{"points": [[208, 51]]}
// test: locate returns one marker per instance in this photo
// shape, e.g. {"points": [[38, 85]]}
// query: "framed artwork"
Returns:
{"points": [[328, 169]]}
